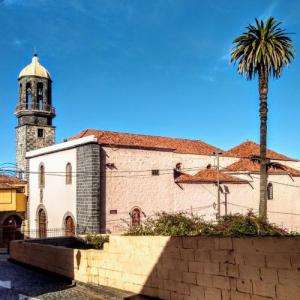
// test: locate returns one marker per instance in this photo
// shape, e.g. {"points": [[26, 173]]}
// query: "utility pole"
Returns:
{"points": [[217, 154], [225, 204]]}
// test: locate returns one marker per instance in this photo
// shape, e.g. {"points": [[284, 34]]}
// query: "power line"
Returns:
{"points": [[63, 173], [114, 170]]}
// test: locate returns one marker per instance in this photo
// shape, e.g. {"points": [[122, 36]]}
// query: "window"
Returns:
{"points": [[40, 132], [179, 167], [20, 92], [28, 95], [270, 191], [155, 172], [68, 173], [41, 176], [40, 96]]}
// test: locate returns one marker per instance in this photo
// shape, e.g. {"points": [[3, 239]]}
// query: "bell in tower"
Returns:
{"points": [[34, 111]]}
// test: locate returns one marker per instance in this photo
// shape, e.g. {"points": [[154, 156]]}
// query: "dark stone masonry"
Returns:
{"points": [[88, 188]]}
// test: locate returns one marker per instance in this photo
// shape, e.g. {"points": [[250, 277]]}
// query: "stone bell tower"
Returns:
{"points": [[34, 111]]}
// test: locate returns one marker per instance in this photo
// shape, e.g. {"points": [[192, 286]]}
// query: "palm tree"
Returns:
{"points": [[263, 50]]}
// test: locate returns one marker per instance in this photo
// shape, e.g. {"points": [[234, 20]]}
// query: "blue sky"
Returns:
{"points": [[152, 67]]}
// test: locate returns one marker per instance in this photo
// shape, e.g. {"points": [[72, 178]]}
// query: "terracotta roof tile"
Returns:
{"points": [[10, 182], [147, 141], [253, 166], [250, 149], [209, 176]]}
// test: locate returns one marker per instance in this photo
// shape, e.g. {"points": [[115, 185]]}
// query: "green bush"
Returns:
{"points": [[97, 241], [91, 241], [183, 224]]}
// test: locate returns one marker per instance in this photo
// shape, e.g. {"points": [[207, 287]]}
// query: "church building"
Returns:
{"points": [[103, 181]]}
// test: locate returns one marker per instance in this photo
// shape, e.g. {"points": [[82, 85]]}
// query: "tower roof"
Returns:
{"points": [[35, 69]]}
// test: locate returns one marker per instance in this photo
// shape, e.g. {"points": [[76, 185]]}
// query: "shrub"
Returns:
{"points": [[90, 241], [183, 224], [95, 241], [178, 224]]}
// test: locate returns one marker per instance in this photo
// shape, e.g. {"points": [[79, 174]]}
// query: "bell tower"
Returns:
{"points": [[34, 111]]}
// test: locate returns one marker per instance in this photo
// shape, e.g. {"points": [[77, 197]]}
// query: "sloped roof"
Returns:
{"points": [[10, 182], [249, 149], [147, 141], [208, 176], [253, 166]]}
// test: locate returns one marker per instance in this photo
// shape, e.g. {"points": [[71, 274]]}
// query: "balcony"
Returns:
{"points": [[23, 108]]}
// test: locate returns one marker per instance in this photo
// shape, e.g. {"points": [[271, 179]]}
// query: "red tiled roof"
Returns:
{"points": [[209, 176], [249, 149], [147, 141], [10, 182], [253, 166]]}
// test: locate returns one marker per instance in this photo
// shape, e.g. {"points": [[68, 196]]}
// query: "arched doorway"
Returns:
{"points": [[135, 217], [42, 224], [11, 227], [69, 226]]}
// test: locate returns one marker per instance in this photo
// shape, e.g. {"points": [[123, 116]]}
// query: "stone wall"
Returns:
{"points": [[88, 188], [27, 140], [179, 268]]}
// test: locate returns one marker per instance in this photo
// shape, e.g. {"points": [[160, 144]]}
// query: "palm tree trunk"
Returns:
{"points": [[263, 96]]}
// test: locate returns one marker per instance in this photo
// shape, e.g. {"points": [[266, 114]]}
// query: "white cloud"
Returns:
{"points": [[22, 2], [269, 11], [205, 77], [17, 42]]}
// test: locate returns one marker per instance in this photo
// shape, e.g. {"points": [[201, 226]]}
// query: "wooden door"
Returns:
{"points": [[136, 217], [69, 226], [42, 224]]}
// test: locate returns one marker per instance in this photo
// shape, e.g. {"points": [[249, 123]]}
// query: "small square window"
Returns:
{"points": [[40, 132], [113, 211], [155, 172]]}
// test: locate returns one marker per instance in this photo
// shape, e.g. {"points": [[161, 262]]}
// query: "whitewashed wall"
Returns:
{"points": [[58, 197]]}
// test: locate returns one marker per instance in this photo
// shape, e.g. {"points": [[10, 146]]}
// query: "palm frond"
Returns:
{"points": [[263, 47]]}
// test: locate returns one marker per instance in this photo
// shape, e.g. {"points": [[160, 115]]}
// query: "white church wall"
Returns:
{"points": [[58, 198]]}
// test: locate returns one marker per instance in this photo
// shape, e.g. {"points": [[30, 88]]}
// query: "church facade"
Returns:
{"points": [[102, 181]]}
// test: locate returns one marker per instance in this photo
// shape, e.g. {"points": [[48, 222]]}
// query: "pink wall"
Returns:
{"points": [[129, 186]]}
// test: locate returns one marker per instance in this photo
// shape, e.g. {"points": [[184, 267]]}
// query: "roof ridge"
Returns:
{"points": [[148, 135], [241, 151]]}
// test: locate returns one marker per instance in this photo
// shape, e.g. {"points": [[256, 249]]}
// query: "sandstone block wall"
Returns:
{"points": [[180, 268]]}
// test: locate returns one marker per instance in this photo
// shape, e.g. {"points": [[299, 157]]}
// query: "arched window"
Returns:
{"points": [[20, 92], [69, 226], [40, 96], [28, 94], [270, 191], [68, 173], [42, 176], [42, 223], [135, 217]]}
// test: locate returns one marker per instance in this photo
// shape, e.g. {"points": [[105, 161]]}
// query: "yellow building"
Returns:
{"points": [[13, 204]]}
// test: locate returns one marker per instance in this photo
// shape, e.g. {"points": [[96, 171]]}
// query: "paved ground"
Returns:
{"points": [[29, 284]]}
